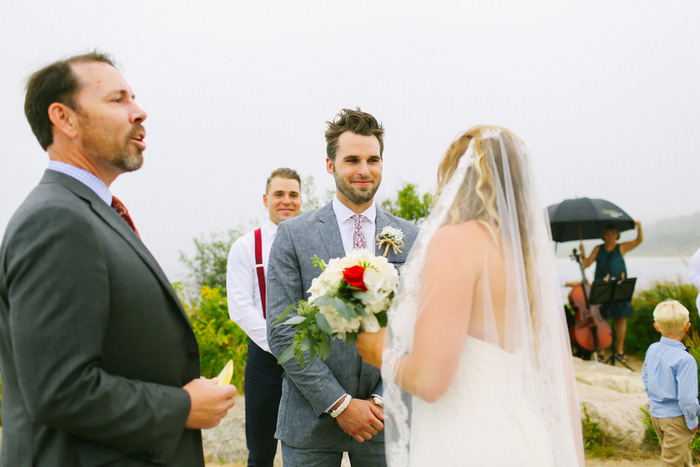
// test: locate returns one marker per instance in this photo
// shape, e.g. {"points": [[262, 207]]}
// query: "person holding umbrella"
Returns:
{"points": [[609, 259]]}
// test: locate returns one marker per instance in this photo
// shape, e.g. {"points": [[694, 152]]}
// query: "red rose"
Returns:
{"points": [[354, 276]]}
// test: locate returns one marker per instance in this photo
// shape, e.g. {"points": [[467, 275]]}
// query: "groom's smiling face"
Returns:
{"points": [[357, 170]]}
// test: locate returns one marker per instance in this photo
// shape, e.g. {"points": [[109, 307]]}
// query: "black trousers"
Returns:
{"points": [[263, 390]]}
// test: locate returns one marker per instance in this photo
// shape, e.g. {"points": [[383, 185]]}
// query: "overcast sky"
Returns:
{"points": [[606, 94]]}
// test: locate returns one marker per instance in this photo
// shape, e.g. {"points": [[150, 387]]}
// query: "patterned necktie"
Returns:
{"points": [[358, 233], [119, 207]]}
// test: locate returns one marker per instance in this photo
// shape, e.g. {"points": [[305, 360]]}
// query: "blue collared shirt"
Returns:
{"points": [[670, 377], [84, 177]]}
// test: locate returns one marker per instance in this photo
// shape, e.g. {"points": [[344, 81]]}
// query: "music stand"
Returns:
{"points": [[611, 291]]}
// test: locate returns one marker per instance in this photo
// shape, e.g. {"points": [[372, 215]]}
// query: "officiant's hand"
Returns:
{"points": [[370, 346], [362, 419], [209, 402]]}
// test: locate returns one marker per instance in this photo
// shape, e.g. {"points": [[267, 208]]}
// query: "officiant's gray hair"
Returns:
{"points": [[359, 122]]}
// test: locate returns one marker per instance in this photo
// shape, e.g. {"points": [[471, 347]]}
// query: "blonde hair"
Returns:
{"points": [[477, 197], [671, 317]]}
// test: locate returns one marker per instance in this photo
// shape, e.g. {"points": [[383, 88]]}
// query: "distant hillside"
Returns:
{"points": [[677, 236]]}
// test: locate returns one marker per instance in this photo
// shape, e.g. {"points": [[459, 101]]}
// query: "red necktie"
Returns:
{"points": [[124, 213]]}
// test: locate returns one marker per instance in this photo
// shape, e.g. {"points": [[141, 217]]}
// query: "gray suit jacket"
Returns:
{"points": [[308, 392], [94, 344]]}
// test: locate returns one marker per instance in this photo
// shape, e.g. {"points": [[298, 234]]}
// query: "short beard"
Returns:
{"points": [[356, 197], [129, 163]]}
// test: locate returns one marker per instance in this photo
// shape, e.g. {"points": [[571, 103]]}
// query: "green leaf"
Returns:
{"points": [[305, 344], [323, 301], [344, 310], [285, 313], [361, 295], [360, 310], [326, 347], [295, 320], [286, 355], [322, 323]]}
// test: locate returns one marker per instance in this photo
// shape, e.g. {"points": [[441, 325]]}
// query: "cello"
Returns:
{"points": [[590, 333]]}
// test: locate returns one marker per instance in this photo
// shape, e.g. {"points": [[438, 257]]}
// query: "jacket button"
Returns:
{"points": [[194, 355]]}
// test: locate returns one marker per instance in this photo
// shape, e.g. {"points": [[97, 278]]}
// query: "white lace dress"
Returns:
{"points": [[484, 419]]}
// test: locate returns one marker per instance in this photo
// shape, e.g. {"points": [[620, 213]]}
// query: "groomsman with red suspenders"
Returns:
{"points": [[245, 284]]}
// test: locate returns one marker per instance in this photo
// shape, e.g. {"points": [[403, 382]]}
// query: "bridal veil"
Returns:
{"points": [[489, 180]]}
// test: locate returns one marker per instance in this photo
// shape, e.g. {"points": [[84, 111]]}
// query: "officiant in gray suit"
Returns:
{"points": [[98, 359], [332, 406]]}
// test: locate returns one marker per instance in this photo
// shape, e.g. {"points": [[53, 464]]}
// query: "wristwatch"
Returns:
{"points": [[378, 400]]}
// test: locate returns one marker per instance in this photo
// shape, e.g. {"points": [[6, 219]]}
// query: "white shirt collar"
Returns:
{"points": [[269, 228], [343, 213]]}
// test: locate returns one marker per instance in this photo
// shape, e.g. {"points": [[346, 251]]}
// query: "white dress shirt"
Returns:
{"points": [[346, 224], [243, 289]]}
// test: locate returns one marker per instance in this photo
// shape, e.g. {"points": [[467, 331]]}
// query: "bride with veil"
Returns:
{"points": [[475, 361]]}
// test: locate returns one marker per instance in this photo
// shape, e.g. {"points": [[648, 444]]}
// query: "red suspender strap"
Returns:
{"points": [[260, 268]]}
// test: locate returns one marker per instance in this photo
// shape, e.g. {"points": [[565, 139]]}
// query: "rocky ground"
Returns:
{"points": [[612, 395]]}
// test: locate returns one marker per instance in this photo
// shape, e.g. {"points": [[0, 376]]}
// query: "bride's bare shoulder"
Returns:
{"points": [[468, 237]]}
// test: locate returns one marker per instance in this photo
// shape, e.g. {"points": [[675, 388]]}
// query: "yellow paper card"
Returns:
{"points": [[226, 374]]}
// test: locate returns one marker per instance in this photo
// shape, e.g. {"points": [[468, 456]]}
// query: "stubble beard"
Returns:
{"points": [[104, 147], [129, 162], [356, 196]]}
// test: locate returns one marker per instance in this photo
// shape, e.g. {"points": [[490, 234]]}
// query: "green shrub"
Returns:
{"points": [[219, 338], [640, 326], [594, 440]]}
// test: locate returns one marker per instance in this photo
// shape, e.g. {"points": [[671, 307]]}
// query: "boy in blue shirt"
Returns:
{"points": [[670, 377]]}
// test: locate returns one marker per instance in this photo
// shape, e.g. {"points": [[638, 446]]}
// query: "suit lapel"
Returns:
{"points": [[122, 228], [111, 218], [330, 233]]}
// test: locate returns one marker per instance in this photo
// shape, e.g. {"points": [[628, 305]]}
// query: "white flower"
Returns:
{"points": [[392, 233]]}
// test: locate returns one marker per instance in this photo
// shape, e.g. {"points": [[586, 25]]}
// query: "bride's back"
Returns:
{"points": [[475, 246]]}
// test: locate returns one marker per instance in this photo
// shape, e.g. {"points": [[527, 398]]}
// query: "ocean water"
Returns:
{"points": [[647, 270]]}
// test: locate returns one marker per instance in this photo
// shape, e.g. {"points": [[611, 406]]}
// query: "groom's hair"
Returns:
{"points": [[356, 121]]}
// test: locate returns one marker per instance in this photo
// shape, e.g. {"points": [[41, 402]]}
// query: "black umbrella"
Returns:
{"points": [[586, 218]]}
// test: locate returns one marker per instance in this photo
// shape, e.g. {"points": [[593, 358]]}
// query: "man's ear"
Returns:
{"points": [[656, 326], [64, 119], [265, 200], [329, 166]]}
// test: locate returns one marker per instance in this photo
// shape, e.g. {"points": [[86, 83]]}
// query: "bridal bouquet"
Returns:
{"points": [[351, 295]]}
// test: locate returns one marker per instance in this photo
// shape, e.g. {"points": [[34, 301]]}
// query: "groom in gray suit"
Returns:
{"points": [[333, 406], [98, 359]]}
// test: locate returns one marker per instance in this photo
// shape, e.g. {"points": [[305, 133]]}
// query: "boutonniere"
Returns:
{"points": [[390, 237]]}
